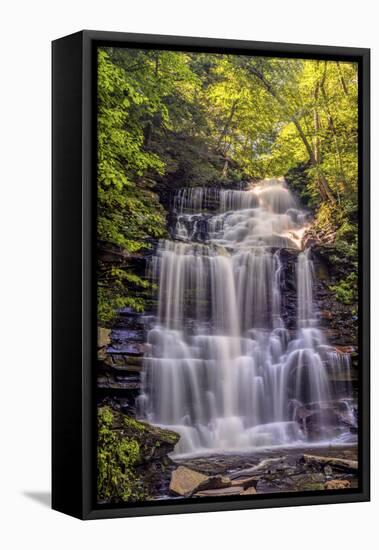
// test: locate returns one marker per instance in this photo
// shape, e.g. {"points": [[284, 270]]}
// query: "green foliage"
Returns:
{"points": [[129, 213], [346, 259], [173, 119], [116, 459], [346, 289]]}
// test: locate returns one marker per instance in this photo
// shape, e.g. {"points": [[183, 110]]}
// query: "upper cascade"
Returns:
{"points": [[264, 214]]}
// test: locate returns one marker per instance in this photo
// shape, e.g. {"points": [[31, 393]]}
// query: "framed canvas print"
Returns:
{"points": [[210, 274]]}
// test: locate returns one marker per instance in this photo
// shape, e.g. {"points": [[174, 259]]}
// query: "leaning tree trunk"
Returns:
{"points": [[342, 80], [323, 184], [333, 129], [225, 168], [227, 123]]}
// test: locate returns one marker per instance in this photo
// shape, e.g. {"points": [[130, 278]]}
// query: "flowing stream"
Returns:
{"points": [[222, 368]]}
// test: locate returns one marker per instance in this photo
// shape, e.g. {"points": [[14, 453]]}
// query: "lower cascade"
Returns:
{"points": [[222, 369]]}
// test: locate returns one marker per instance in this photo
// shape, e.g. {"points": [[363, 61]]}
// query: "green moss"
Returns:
{"points": [[170, 436], [116, 458], [128, 452], [133, 424]]}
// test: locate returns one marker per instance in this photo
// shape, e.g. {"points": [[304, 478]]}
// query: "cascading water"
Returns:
{"points": [[222, 369]]}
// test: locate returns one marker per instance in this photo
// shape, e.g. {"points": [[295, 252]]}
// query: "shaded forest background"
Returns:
{"points": [[173, 119]]}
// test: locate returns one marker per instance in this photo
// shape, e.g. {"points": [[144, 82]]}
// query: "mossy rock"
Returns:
{"points": [[131, 455], [154, 442]]}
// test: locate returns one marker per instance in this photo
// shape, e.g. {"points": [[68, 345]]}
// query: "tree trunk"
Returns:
{"points": [[324, 187], [225, 168], [227, 123], [342, 80], [335, 138]]}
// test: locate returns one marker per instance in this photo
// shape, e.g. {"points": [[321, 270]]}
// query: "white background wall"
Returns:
{"points": [[27, 27]]}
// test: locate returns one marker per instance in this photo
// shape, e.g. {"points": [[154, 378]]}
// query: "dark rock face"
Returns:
{"points": [[121, 362], [335, 416], [336, 317], [288, 258], [320, 421]]}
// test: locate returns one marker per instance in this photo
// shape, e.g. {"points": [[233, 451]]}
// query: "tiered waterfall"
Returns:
{"points": [[222, 368]]}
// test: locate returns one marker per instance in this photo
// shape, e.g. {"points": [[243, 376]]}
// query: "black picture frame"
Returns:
{"points": [[73, 271]]}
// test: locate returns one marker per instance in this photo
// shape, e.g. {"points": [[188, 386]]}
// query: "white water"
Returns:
{"points": [[223, 370]]}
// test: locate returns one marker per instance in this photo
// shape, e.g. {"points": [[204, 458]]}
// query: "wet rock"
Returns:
{"points": [[318, 422], [321, 420], [337, 484], [315, 417]]}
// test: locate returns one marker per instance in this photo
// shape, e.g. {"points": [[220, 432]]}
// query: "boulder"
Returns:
{"points": [[154, 443], [184, 481], [337, 484]]}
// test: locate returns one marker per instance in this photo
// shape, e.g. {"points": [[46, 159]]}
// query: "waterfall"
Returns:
{"points": [[222, 369]]}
